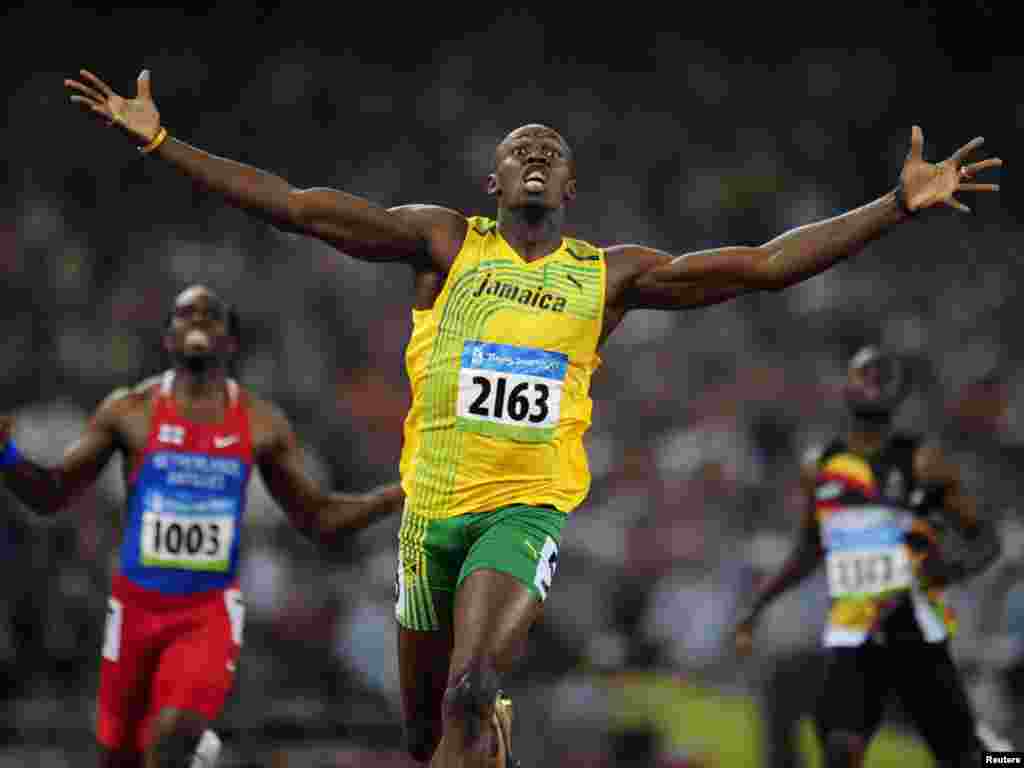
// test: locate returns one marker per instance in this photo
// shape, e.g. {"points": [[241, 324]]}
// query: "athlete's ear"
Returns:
{"points": [[492, 184], [570, 190]]}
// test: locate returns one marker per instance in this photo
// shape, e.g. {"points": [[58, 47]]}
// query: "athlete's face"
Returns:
{"points": [[533, 167], [875, 383], [197, 335]]}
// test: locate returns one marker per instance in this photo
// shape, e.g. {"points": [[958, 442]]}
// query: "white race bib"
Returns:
{"points": [[510, 392], [194, 536], [866, 572]]}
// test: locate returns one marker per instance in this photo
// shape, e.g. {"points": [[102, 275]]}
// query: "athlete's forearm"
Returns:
{"points": [[38, 488], [358, 227], [809, 250], [790, 258], [256, 191], [798, 566], [347, 513]]}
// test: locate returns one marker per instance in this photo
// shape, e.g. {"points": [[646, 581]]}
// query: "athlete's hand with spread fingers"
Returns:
{"points": [[137, 117], [931, 184]]}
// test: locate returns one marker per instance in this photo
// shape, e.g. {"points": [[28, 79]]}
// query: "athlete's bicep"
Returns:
{"points": [[646, 278], [86, 457], [282, 467], [413, 234]]}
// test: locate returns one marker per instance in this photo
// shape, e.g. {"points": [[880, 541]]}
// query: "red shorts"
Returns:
{"points": [[164, 651]]}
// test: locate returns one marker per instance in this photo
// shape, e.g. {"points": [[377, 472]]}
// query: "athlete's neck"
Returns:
{"points": [[200, 388], [533, 231], [865, 438]]}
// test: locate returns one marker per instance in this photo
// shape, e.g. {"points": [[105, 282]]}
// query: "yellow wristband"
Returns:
{"points": [[160, 138]]}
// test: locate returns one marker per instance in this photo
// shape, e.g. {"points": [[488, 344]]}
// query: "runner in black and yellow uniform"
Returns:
{"points": [[879, 504], [508, 318]]}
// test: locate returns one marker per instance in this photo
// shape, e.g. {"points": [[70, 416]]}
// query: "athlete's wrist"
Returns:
{"points": [[9, 456], [900, 193], [158, 138]]}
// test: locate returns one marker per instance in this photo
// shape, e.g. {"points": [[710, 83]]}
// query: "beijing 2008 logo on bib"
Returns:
{"points": [[510, 392]]}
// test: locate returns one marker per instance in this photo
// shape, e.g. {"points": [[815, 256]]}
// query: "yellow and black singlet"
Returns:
{"points": [[874, 519], [500, 370]]}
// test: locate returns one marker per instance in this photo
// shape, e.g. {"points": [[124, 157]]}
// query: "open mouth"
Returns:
{"points": [[198, 341], [535, 181]]}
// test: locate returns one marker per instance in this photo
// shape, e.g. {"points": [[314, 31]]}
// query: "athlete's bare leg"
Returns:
{"points": [[176, 735], [423, 659], [493, 615]]}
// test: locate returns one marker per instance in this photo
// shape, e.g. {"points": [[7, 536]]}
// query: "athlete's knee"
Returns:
{"points": [[844, 749], [470, 698], [421, 738], [176, 737]]}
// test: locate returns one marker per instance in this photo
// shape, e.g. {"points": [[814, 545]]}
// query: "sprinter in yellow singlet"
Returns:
{"points": [[509, 315]]}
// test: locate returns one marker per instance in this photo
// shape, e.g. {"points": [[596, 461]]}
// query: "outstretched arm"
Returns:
{"points": [[47, 490], [659, 281], [937, 472], [422, 236], [325, 518], [802, 561]]}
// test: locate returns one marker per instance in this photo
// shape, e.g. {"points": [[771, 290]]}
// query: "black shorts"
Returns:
{"points": [[923, 676]]}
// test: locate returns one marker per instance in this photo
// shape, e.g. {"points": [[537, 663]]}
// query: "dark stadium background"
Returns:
{"points": [[691, 130]]}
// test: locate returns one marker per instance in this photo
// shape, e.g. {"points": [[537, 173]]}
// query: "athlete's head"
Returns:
{"points": [[876, 383], [533, 167], [202, 331]]}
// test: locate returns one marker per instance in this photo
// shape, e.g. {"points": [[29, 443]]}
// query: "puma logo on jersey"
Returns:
{"points": [[220, 441], [171, 433], [575, 282]]}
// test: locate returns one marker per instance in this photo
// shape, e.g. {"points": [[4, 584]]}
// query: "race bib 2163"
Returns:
{"points": [[510, 392]]}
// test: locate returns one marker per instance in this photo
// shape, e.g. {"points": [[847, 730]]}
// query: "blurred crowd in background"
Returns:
{"points": [[700, 421]]}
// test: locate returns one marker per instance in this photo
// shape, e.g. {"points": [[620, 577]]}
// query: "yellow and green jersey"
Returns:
{"points": [[500, 370]]}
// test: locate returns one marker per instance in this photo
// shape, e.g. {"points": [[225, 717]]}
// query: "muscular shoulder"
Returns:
{"points": [[128, 401], [932, 464], [810, 465], [443, 229], [269, 425], [625, 263], [635, 258]]}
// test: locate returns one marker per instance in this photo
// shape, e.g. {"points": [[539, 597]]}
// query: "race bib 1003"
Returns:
{"points": [[510, 392], [193, 535]]}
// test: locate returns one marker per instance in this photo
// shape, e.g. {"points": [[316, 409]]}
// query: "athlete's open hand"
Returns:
{"points": [[929, 184], [137, 117]]}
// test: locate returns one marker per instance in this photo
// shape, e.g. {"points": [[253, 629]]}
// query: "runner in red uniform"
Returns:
{"points": [[174, 620]]}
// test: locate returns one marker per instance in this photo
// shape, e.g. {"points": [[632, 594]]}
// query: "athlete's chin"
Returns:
{"points": [[536, 203], [199, 362]]}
